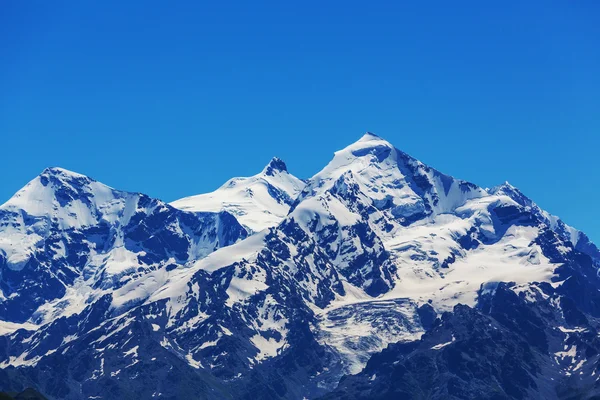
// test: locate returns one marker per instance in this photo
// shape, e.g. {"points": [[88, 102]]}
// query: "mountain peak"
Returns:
{"points": [[505, 188], [59, 171], [369, 145], [368, 136], [257, 202], [513, 192], [369, 140], [61, 174], [55, 188], [63, 179], [275, 165], [508, 185]]}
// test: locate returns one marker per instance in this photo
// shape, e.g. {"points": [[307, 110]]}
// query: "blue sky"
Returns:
{"points": [[174, 100]]}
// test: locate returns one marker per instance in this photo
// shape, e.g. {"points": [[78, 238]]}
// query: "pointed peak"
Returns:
{"points": [[369, 136], [505, 187], [275, 165], [513, 192], [370, 140], [368, 145]]}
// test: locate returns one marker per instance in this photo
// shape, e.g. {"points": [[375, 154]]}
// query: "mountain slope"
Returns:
{"points": [[511, 346], [258, 202], [27, 394], [66, 239], [370, 252]]}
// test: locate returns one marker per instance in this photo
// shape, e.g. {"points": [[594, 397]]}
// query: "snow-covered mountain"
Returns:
{"points": [[66, 239], [258, 202], [379, 277]]}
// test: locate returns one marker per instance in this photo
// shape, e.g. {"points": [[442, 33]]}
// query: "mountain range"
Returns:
{"points": [[378, 278]]}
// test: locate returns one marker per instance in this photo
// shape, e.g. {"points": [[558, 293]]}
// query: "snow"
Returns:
{"points": [[358, 330], [442, 345], [39, 198], [193, 362], [513, 258], [571, 330], [7, 328], [77, 297], [116, 325], [141, 289], [132, 352], [249, 199], [381, 177], [266, 347], [381, 171], [60, 202], [570, 351], [416, 250], [579, 364], [325, 208], [119, 260], [173, 285], [226, 331], [209, 344], [241, 289], [20, 361]]}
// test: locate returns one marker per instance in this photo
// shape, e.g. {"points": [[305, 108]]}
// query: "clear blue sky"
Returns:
{"points": [[174, 99]]}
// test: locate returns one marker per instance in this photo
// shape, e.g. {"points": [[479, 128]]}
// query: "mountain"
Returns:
{"points": [[383, 278], [66, 239], [258, 202]]}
